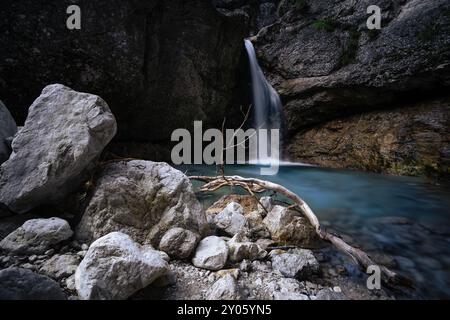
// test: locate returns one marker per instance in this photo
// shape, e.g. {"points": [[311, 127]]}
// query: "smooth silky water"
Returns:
{"points": [[406, 218]]}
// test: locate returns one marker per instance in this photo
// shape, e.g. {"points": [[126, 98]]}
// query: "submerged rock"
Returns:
{"points": [[64, 132], [143, 199], [36, 236], [115, 267], [211, 253], [8, 129], [179, 243], [23, 284]]}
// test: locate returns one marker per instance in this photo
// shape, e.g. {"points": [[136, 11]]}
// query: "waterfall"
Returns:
{"points": [[267, 107]]}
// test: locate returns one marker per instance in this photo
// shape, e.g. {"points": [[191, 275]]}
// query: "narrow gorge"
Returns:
{"points": [[93, 205]]}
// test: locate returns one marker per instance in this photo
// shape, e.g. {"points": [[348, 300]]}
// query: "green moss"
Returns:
{"points": [[324, 24]]}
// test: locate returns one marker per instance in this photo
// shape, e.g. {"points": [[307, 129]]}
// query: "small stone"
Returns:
{"points": [[179, 243], [28, 266], [226, 288], [233, 272], [32, 258], [231, 219], [70, 283], [268, 204], [211, 253], [49, 252], [337, 289], [84, 247], [81, 254], [60, 266]]}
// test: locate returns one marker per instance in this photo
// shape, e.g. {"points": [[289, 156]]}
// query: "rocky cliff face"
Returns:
{"points": [[326, 64], [160, 65], [405, 141]]}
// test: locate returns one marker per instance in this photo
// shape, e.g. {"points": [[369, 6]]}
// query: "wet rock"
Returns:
{"points": [[211, 253], [231, 219], [115, 267], [143, 199], [60, 266], [179, 243], [241, 248], [226, 288], [64, 132], [36, 236], [297, 263], [8, 129], [23, 284]]}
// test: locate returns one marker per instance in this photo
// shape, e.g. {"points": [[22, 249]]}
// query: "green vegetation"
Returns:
{"points": [[325, 24]]}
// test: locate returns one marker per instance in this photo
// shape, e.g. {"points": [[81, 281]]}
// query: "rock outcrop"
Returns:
{"points": [[155, 62], [326, 64], [143, 199], [405, 141], [8, 129], [115, 267], [64, 132], [36, 236]]}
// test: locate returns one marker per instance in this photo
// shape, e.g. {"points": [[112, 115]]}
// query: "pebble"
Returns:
{"points": [[337, 289], [50, 252], [28, 266], [84, 247], [32, 258]]}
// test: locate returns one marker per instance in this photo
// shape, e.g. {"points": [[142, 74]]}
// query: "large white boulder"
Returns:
{"points": [[143, 199], [36, 236], [115, 267], [64, 132]]}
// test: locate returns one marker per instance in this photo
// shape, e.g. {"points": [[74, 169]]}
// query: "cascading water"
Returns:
{"points": [[267, 107]]}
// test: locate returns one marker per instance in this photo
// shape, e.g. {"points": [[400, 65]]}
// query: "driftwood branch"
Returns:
{"points": [[253, 185]]}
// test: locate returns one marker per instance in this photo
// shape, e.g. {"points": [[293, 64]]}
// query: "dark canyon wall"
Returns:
{"points": [[160, 65]]}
